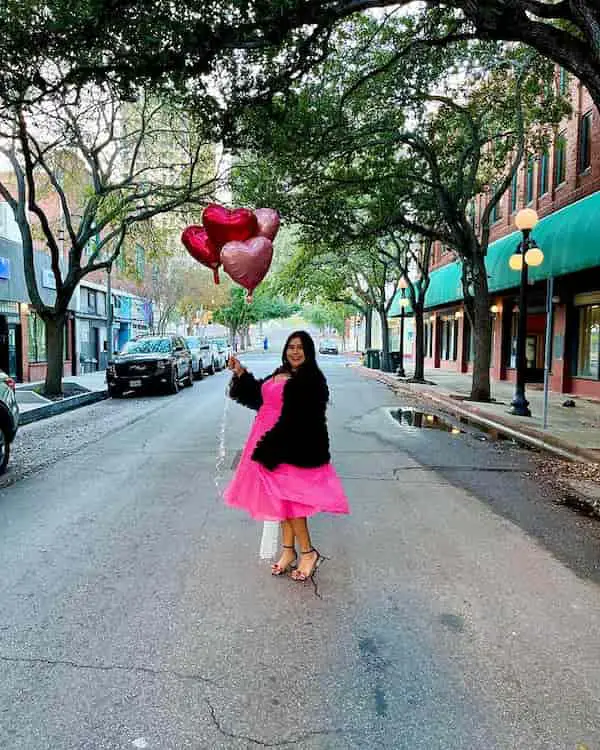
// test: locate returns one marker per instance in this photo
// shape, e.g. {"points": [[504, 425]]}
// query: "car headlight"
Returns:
{"points": [[162, 364], [110, 370]]}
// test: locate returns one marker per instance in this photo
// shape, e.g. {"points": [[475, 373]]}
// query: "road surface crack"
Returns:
{"points": [[300, 738], [109, 667]]}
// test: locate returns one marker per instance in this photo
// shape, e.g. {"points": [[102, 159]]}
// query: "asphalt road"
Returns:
{"points": [[459, 607]]}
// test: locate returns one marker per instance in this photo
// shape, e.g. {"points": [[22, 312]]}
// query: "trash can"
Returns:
{"points": [[394, 359], [373, 359]]}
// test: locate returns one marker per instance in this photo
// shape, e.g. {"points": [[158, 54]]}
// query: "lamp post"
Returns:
{"points": [[403, 302], [527, 254]]}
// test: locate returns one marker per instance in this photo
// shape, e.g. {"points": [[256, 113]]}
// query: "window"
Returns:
{"points": [[449, 330], [563, 82], [496, 213], [588, 350], [37, 338], [428, 339], [543, 176], [121, 262], [514, 192], [91, 300], [560, 158], [585, 142], [530, 163]]}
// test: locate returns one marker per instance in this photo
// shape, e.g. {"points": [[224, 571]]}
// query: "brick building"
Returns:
{"points": [[563, 186]]}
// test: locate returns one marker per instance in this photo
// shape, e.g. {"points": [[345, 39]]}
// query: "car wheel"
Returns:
{"points": [[211, 370], [174, 384], [114, 392], [189, 378], [4, 450]]}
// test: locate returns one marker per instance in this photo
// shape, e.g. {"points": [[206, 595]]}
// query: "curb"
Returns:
{"points": [[60, 407], [533, 438]]}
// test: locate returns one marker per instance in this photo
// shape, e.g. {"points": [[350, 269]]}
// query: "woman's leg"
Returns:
{"points": [[302, 534], [287, 555]]}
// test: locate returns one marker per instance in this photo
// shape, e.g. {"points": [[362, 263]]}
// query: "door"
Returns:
{"points": [[14, 339], [4, 355]]}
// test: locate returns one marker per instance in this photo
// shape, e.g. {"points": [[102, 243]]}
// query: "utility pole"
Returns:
{"points": [[109, 313]]}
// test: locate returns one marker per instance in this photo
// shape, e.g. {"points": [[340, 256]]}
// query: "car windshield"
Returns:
{"points": [[147, 346], [193, 342]]}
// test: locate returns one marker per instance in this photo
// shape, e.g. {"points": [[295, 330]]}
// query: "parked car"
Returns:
{"points": [[328, 347], [224, 348], [163, 362], [9, 418], [201, 356]]}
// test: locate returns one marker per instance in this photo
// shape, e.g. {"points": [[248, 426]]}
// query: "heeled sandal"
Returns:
{"points": [[277, 570], [298, 575]]}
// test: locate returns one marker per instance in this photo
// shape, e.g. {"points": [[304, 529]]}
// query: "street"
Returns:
{"points": [[458, 607]]}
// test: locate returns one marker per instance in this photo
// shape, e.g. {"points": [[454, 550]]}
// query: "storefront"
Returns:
{"points": [[570, 241]]}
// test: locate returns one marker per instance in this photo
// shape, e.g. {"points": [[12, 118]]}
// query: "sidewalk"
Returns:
{"points": [[572, 433], [33, 407]]}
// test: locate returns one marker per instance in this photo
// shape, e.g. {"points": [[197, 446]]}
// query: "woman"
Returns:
{"points": [[284, 473]]}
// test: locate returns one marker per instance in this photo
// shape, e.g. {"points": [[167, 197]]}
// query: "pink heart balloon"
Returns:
{"points": [[248, 262], [268, 222]]}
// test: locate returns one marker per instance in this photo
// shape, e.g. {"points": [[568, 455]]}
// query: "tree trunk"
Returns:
{"points": [[385, 342], [368, 328], [482, 333], [419, 375], [55, 348]]}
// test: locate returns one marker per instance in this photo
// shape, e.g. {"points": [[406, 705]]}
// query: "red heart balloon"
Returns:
{"points": [[268, 222], [248, 262], [199, 246], [226, 225]]}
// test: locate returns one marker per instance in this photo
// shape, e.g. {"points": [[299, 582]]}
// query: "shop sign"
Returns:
{"points": [[4, 268]]}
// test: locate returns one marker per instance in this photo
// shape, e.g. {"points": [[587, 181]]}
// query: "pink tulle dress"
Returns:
{"points": [[287, 491]]}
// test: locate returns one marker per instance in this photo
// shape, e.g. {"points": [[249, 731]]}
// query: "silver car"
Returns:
{"points": [[9, 418], [201, 359]]}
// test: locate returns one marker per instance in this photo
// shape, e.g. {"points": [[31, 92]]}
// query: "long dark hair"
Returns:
{"points": [[310, 354], [309, 370]]}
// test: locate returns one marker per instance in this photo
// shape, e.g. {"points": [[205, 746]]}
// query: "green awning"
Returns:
{"points": [[394, 311], [569, 239]]}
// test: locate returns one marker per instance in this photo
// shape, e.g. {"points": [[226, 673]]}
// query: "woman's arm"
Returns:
{"points": [[246, 390]]}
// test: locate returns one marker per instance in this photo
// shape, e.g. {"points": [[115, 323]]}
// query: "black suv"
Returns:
{"points": [[163, 362]]}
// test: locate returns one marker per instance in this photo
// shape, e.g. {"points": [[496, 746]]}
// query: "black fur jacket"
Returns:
{"points": [[300, 435]]}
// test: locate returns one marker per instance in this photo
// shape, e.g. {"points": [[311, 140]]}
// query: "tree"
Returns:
{"points": [[134, 161], [238, 314], [133, 41], [413, 259], [373, 144]]}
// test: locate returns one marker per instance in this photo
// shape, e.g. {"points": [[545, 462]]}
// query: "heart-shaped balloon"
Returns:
{"points": [[226, 225], [268, 222], [199, 246], [248, 262]]}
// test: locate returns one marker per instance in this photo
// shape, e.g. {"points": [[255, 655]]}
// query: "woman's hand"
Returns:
{"points": [[234, 365]]}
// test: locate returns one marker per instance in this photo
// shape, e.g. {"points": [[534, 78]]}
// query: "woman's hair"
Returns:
{"points": [[310, 355]]}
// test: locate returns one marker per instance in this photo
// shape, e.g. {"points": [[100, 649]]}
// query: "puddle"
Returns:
{"points": [[409, 417], [414, 418]]}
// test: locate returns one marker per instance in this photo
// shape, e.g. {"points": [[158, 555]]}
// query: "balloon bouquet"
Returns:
{"points": [[239, 239]]}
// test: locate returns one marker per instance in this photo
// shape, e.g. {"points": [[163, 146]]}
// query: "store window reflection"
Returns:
{"points": [[588, 355]]}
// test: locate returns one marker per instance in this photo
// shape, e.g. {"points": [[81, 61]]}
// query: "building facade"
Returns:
{"points": [[563, 186], [23, 352]]}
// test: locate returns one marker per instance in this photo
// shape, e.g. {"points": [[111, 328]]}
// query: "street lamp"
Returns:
{"points": [[527, 254], [403, 302]]}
